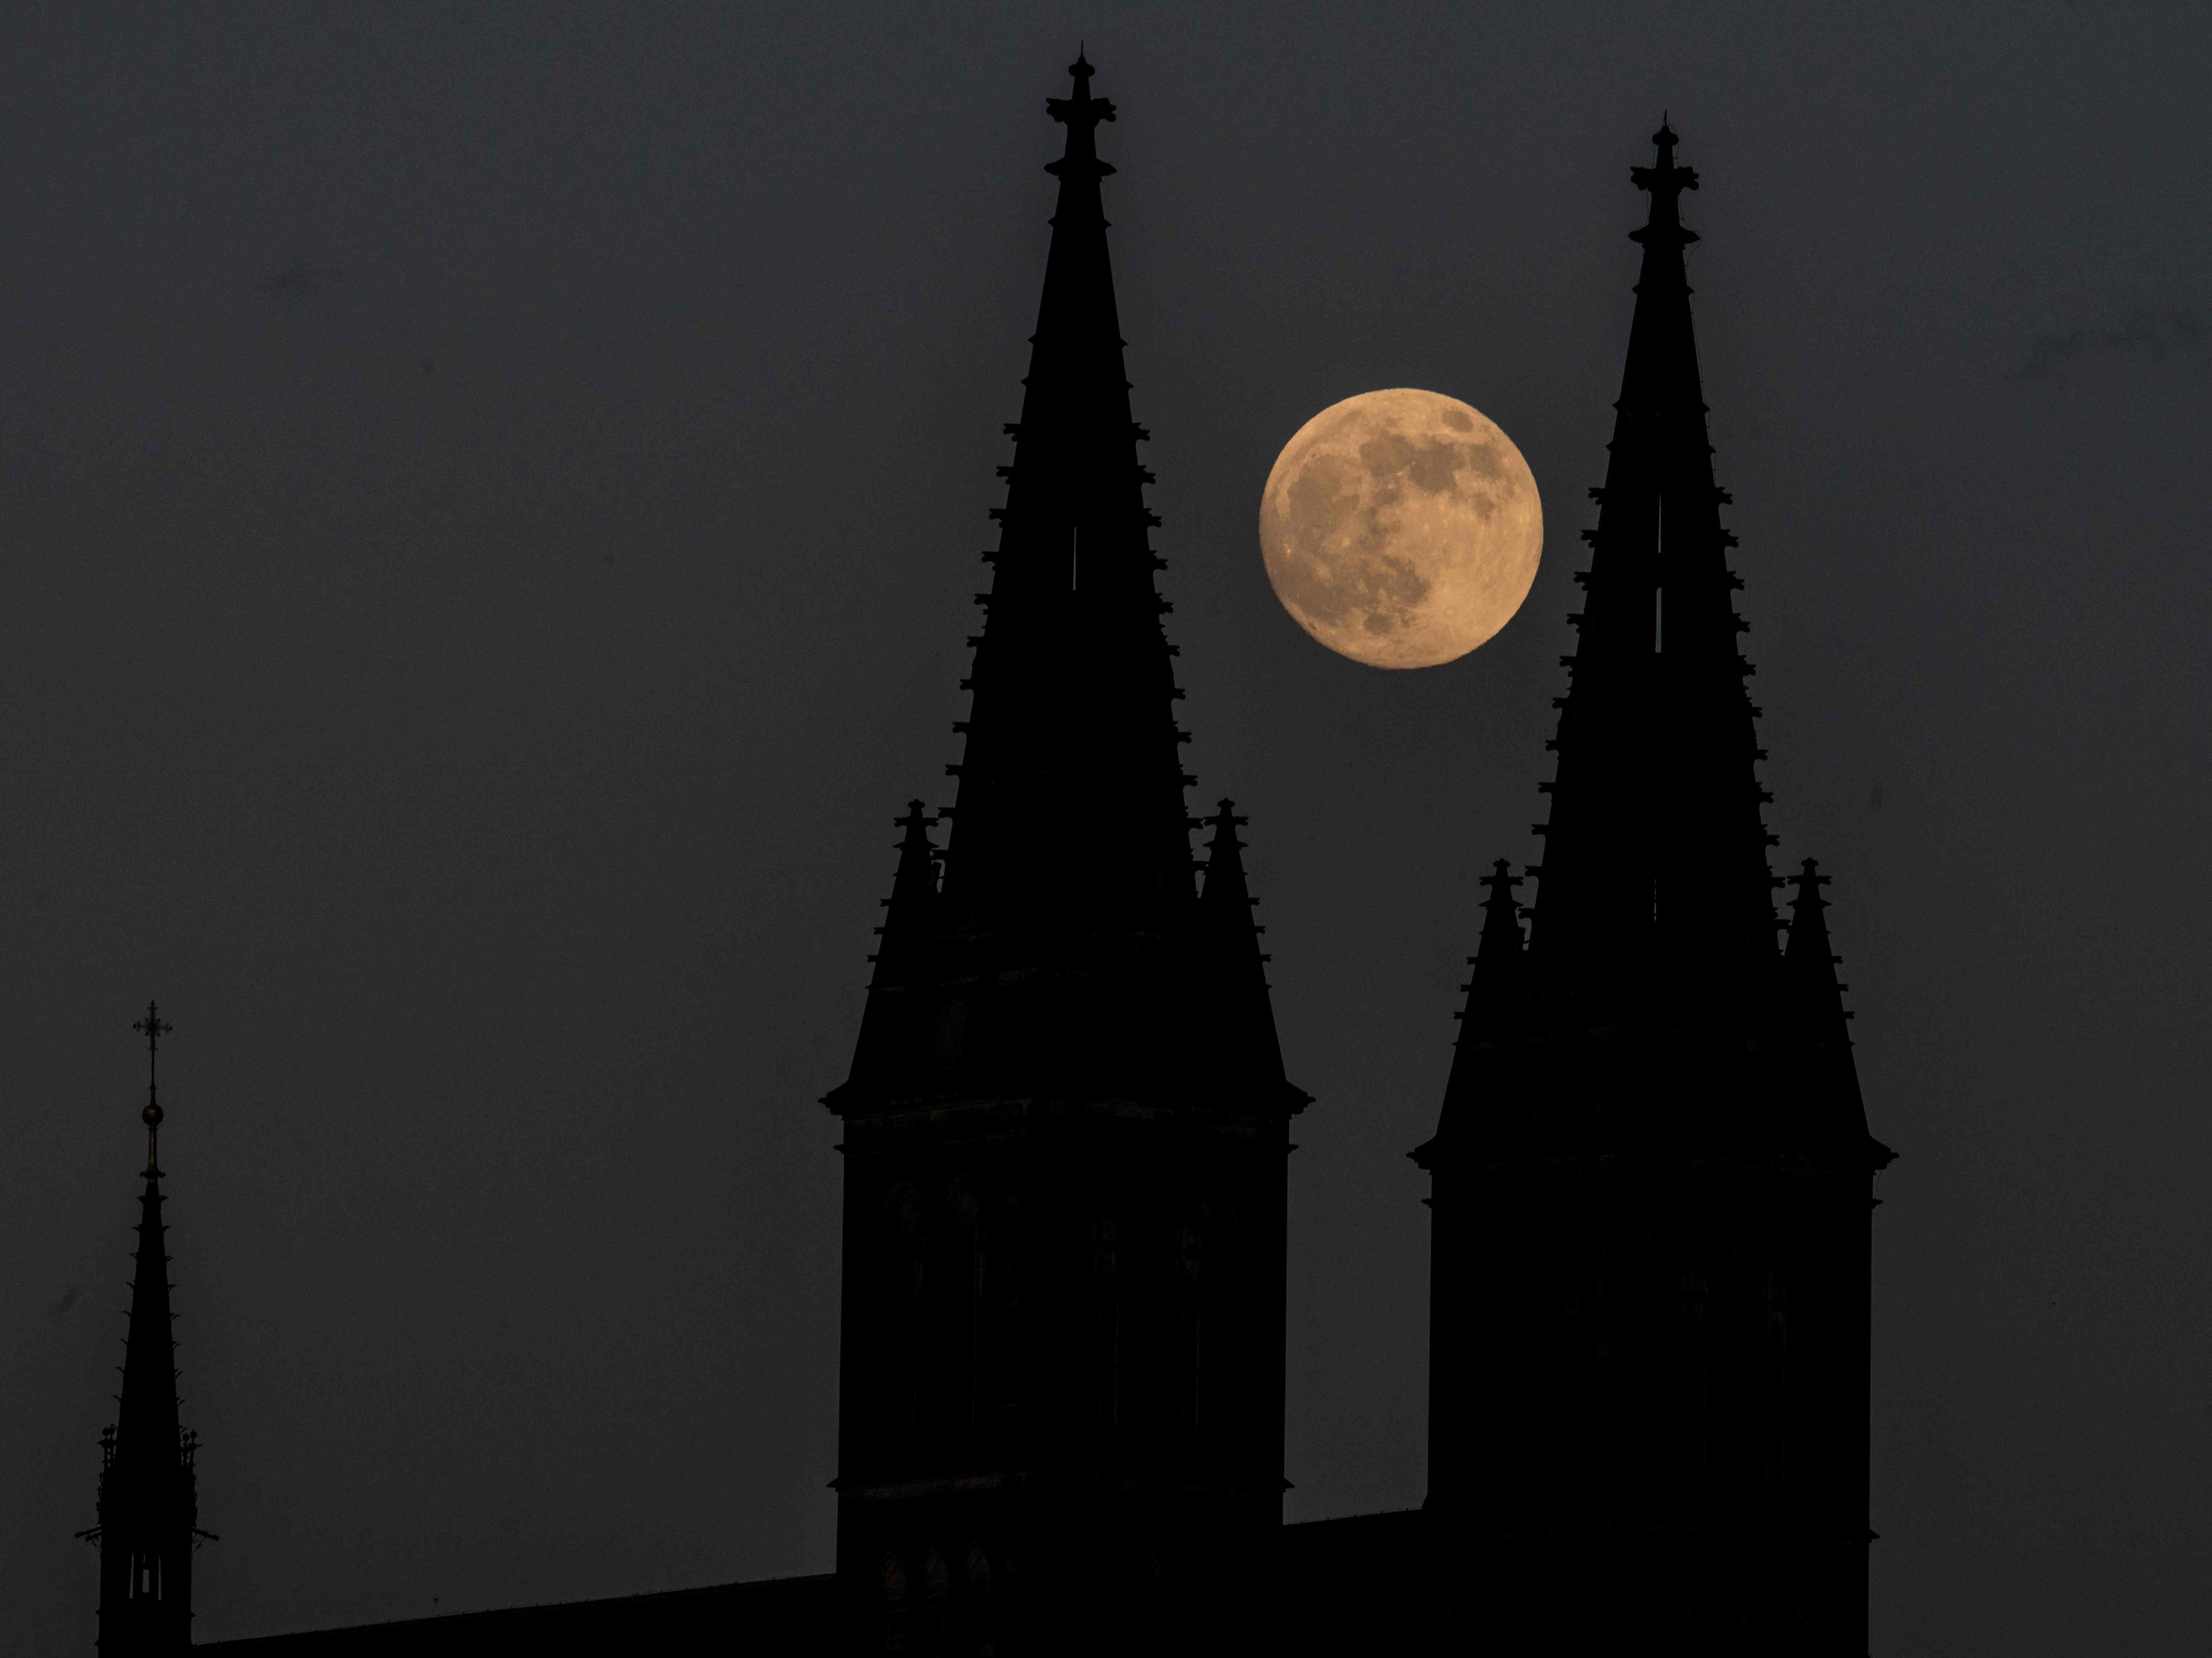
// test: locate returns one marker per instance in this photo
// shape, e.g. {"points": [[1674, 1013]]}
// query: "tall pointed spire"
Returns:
{"points": [[1067, 1126], [1654, 888], [1071, 784], [1067, 891], [149, 1507], [1648, 1353]]}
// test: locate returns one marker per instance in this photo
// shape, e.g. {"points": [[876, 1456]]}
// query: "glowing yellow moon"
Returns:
{"points": [[1401, 528]]}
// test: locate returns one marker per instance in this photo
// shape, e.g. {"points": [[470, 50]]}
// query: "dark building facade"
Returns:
{"points": [[1065, 1134], [1651, 1178]]}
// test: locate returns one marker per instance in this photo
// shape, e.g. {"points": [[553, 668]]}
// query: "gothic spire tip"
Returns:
{"points": [[153, 1027], [1080, 112], [1665, 182]]}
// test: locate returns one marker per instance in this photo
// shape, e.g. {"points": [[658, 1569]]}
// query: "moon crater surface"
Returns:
{"points": [[1401, 528]]}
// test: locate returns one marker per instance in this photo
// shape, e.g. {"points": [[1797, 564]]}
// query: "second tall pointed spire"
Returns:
{"points": [[1654, 871]]}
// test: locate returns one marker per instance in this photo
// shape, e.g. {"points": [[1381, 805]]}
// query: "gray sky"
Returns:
{"points": [[489, 506]]}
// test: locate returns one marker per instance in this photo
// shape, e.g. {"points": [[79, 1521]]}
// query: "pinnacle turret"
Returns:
{"points": [[910, 913], [1228, 953], [1492, 986], [1809, 964], [1834, 1123], [897, 992]]}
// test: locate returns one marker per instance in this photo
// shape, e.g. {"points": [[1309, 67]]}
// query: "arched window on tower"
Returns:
{"points": [[1696, 1371], [1190, 1306], [1106, 1289], [901, 1368], [937, 1578], [978, 1633], [895, 1607], [1776, 1404], [959, 1320]]}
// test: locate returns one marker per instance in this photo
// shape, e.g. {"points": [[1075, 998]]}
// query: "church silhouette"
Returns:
{"points": [[1065, 1133]]}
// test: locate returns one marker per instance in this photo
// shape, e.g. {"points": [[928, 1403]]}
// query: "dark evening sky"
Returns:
{"points": [[489, 502]]}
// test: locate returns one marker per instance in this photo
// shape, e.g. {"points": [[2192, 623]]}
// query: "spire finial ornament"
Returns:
{"points": [[1665, 182], [1080, 113], [153, 1027]]}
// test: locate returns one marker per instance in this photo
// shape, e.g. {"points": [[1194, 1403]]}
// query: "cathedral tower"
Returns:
{"points": [[148, 1506], [1649, 1357], [1065, 1125]]}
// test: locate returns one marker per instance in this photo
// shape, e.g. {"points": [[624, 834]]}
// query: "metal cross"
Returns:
{"points": [[153, 1027]]}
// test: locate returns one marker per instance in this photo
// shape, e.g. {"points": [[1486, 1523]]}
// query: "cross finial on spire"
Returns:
{"points": [[153, 1027], [1080, 113], [1665, 182]]}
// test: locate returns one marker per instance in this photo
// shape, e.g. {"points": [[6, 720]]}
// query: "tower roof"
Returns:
{"points": [[146, 1417], [1650, 1008], [1655, 891], [1065, 953], [1069, 810]]}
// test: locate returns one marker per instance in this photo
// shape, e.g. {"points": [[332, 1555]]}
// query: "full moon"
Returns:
{"points": [[1401, 528]]}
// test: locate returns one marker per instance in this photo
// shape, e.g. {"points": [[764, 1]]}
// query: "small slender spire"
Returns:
{"points": [[148, 1487], [148, 1423]]}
